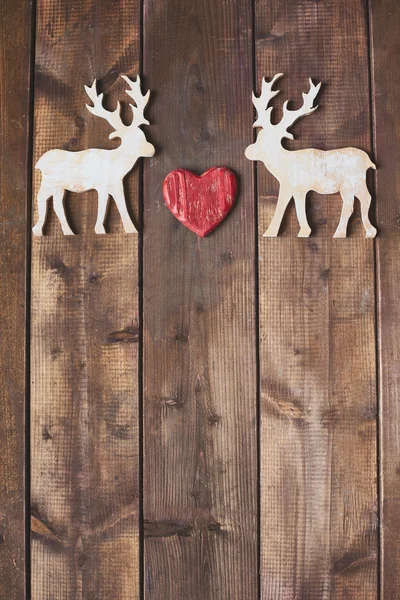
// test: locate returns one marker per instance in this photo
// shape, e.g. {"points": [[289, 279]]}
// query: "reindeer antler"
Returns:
{"points": [[291, 116], [140, 101], [112, 116], [261, 102]]}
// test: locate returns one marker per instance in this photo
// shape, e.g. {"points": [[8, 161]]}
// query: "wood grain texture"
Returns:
{"points": [[200, 454], [84, 350], [15, 65], [317, 364], [385, 21]]}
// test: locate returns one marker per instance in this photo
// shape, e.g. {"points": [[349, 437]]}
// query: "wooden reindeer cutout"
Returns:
{"points": [[301, 171], [102, 170]]}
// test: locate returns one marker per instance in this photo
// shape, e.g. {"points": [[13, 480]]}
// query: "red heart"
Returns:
{"points": [[200, 203]]}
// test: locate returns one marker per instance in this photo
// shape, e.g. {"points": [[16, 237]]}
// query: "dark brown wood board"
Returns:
{"points": [[385, 40], [199, 327], [317, 341], [15, 55], [85, 320]]}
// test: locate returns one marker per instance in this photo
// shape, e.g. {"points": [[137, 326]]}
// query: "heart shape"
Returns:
{"points": [[202, 202]]}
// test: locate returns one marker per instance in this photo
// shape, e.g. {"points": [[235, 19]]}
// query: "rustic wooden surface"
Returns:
{"points": [[203, 412], [199, 328], [15, 60], [317, 350], [385, 25], [84, 342]]}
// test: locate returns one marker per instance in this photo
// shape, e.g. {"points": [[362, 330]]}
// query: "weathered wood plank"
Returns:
{"points": [[318, 397], [200, 454], [84, 347], [15, 66], [385, 21]]}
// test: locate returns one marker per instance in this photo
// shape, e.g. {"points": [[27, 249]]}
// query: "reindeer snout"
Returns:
{"points": [[251, 152], [150, 150]]}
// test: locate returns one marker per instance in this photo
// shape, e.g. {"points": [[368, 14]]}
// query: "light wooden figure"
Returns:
{"points": [[102, 170], [300, 171]]}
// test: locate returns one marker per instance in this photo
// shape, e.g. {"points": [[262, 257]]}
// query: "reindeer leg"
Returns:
{"points": [[300, 203], [58, 202], [103, 200], [347, 211], [283, 200], [42, 199], [119, 197], [365, 200]]}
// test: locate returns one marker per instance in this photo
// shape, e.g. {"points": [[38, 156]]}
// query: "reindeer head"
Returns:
{"points": [[129, 134], [271, 135]]}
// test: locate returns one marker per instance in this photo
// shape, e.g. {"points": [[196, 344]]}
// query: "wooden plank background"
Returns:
{"points": [[385, 23], [317, 310], [189, 418], [199, 328], [15, 123], [84, 327]]}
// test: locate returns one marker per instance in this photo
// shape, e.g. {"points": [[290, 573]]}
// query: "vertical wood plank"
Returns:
{"points": [[15, 65], [200, 454], [385, 22], [85, 426], [318, 396]]}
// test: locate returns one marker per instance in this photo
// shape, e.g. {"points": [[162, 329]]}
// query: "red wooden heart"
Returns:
{"points": [[200, 203]]}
